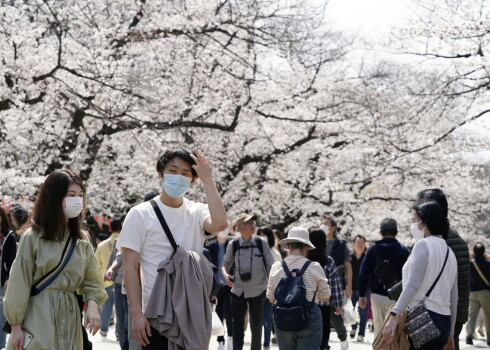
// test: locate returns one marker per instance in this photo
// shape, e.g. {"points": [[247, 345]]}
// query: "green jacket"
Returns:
{"points": [[460, 249]]}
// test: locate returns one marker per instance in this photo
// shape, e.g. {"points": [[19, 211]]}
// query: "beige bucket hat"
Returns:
{"points": [[298, 234]]}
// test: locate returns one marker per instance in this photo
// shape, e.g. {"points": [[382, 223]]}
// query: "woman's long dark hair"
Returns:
{"points": [[4, 228], [267, 231], [282, 251], [319, 240], [47, 216]]}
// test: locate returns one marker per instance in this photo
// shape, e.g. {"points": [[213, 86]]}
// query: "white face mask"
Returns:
{"points": [[325, 228], [73, 206], [223, 234], [416, 232]]}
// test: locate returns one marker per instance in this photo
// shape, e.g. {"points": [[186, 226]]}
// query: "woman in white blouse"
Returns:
{"points": [[430, 227], [314, 279]]}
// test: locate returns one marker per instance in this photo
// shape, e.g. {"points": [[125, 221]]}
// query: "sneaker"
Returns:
{"points": [[352, 333], [266, 347], [469, 340], [103, 333], [360, 339], [344, 345], [481, 332], [273, 340], [221, 345]]}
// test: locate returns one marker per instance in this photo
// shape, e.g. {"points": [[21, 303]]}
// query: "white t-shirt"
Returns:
{"points": [[143, 233]]}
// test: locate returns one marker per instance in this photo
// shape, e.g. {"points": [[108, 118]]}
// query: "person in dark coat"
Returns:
{"points": [[460, 248], [8, 249], [388, 248], [479, 292], [217, 249]]}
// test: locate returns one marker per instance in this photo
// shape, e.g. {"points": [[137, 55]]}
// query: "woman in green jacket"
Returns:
{"points": [[52, 317]]}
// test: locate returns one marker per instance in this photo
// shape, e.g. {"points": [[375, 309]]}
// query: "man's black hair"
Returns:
{"points": [[116, 225], [388, 227], [479, 249], [170, 154], [432, 214], [434, 195], [20, 214], [102, 236], [356, 237]]}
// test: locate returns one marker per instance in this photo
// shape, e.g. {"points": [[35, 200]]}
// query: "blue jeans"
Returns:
{"points": [[443, 322], [106, 313], [3, 335], [362, 314], [306, 339], [121, 303], [267, 322]]}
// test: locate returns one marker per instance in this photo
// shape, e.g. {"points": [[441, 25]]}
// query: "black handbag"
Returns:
{"points": [[49, 277], [419, 325]]}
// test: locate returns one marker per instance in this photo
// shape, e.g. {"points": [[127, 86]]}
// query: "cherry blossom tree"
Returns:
{"points": [[293, 124]]}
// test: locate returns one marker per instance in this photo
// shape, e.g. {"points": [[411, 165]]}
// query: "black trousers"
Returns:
{"points": [[223, 310], [255, 315], [157, 341], [457, 331], [328, 315]]}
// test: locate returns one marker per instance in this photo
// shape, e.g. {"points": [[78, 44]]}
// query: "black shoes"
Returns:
{"points": [[469, 340]]}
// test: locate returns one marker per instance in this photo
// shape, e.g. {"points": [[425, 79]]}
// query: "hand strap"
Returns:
{"points": [[440, 273], [48, 278], [164, 224], [480, 273]]}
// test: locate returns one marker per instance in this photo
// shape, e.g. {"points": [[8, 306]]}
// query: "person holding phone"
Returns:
{"points": [[49, 312]]}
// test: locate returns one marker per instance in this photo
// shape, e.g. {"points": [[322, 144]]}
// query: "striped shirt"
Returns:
{"points": [[314, 278]]}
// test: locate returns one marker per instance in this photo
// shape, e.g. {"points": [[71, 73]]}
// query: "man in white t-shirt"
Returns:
{"points": [[144, 243]]}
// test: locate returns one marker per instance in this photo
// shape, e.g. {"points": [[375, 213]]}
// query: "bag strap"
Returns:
{"points": [[286, 269], [480, 273], [164, 224], [236, 245], [260, 246], [48, 278], [440, 273], [303, 269]]}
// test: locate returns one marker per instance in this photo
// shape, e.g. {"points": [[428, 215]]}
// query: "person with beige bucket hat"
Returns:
{"points": [[317, 289]]}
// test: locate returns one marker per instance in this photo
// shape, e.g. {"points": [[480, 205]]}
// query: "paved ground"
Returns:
{"points": [[110, 343]]}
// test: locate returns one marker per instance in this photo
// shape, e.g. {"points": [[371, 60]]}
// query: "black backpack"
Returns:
{"points": [[236, 245], [385, 272], [292, 311]]}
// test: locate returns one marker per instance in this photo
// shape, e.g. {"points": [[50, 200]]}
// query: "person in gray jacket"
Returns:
{"points": [[461, 250]]}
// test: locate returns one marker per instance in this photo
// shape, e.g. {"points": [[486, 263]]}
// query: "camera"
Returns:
{"points": [[245, 276]]}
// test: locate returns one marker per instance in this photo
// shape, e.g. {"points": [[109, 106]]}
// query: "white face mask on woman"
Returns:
{"points": [[325, 228], [416, 232], [73, 206]]}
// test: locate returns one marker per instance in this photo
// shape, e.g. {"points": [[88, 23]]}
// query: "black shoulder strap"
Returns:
{"points": [[440, 273], [286, 269], [164, 224], [236, 245], [261, 250], [303, 269], [49, 277]]}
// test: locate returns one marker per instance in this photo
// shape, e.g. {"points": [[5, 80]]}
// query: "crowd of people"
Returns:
{"points": [[165, 263]]}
